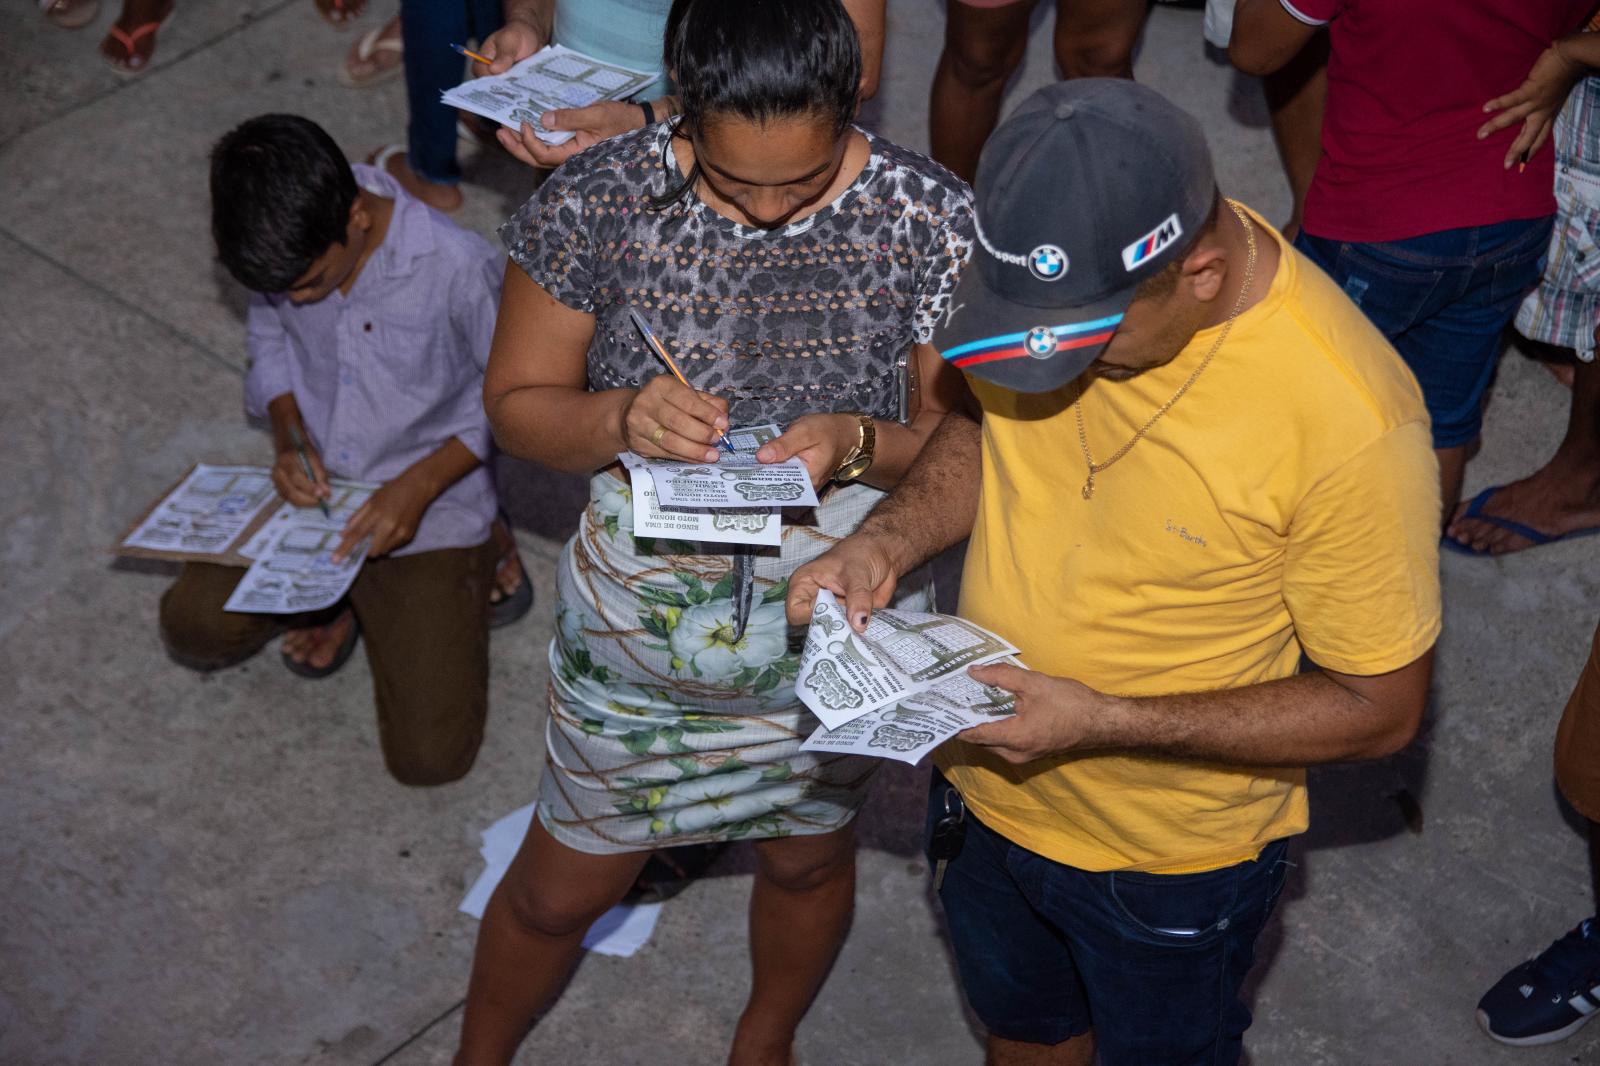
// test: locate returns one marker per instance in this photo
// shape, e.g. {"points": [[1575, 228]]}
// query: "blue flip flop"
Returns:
{"points": [[1538, 539]]}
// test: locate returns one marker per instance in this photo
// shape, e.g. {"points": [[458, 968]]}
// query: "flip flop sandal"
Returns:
{"points": [[340, 657], [381, 157], [511, 608], [367, 46], [1538, 539], [69, 14], [134, 64]]}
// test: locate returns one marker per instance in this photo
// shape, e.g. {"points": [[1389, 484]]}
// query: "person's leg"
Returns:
{"points": [[1074, 1051], [1163, 956], [425, 622], [1594, 861], [1455, 349], [530, 938], [131, 43], [429, 170], [983, 46], [800, 911], [1443, 300], [1095, 38], [1559, 497], [195, 629], [1555, 993], [1296, 96], [1016, 969]]}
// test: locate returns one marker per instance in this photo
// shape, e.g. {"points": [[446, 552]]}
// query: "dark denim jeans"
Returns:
{"points": [[428, 28], [1151, 962], [1442, 299]]}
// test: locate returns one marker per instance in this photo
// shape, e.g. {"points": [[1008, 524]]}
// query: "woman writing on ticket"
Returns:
{"points": [[790, 262]]}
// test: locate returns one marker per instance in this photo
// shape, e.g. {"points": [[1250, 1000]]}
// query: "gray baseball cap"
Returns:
{"points": [[1089, 188]]}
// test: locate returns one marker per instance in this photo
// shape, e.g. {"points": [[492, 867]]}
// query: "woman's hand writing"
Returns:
{"points": [[668, 420]]}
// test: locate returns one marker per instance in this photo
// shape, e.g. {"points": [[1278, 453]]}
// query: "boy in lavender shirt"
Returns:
{"points": [[367, 333]]}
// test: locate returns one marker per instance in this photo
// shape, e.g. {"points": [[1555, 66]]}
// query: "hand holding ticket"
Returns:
{"points": [[899, 689]]}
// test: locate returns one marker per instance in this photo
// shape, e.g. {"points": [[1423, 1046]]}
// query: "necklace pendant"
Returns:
{"points": [[1088, 488]]}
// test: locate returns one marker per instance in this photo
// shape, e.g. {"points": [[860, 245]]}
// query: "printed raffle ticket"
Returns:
{"points": [[900, 689]]}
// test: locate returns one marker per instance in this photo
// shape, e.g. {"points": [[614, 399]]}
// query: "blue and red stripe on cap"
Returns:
{"points": [[1010, 346]]}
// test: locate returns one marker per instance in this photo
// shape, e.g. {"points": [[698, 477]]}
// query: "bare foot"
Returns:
{"points": [[340, 12], [375, 57], [315, 646], [508, 572], [437, 196], [1558, 498], [131, 43], [70, 14]]}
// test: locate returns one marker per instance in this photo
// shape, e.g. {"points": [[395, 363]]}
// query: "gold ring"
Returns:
{"points": [[655, 438]]}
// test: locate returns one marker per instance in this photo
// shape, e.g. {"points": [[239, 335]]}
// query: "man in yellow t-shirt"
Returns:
{"points": [[1195, 461]]}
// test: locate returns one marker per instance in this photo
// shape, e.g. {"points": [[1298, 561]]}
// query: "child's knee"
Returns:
{"points": [[198, 634], [424, 758]]}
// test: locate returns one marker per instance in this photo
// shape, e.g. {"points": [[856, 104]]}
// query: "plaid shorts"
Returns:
{"points": [[1565, 309]]}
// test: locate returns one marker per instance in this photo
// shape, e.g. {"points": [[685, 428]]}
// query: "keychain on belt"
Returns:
{"points": [[949, 833]]}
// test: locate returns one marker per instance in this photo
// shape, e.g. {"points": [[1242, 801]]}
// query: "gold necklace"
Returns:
{"points": [[1227, 327]]}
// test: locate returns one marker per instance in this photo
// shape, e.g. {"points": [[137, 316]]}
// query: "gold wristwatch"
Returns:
{"points": [[859, 459]]}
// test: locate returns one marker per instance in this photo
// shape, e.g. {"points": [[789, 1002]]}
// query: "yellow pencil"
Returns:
{"points": [[661, 352], [470, 54]]}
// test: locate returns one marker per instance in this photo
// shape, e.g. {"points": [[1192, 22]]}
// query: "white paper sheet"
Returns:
{"points": [[736, 481], [552, 78], [908, 730], [621, 931], [844, 675], [293, 570], [207, 511], [650, 519]]}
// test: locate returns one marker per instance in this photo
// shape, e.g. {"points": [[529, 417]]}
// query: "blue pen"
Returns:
{"points": [[655, 346]]}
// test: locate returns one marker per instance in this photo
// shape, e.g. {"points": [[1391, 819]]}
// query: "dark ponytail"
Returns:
{"points": [[760, 60]]}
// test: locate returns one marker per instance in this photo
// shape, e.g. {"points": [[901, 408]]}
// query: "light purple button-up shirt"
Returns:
{"points": [[387, 375]]}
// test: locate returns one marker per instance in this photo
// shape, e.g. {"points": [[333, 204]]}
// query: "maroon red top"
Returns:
{"points": [[1407, 81]]}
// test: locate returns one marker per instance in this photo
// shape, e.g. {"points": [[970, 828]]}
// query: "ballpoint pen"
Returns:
{"points": [[299, 443]]}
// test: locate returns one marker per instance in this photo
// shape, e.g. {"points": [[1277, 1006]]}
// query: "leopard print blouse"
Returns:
{"points": [[809, 317]]}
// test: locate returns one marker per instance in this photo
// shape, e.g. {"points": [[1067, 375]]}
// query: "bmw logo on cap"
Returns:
{"points": [[1040, 342], [1047, 263]]}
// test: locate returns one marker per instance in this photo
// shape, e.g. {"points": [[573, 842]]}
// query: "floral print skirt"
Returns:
{"points": [[663, 730]]}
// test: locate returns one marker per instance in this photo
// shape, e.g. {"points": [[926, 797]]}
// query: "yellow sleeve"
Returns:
{"points": [[1361, 576]]}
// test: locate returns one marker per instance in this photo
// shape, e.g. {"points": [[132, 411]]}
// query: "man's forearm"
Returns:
{"points": [[936, 502], [1303, 720], [284, 411]]}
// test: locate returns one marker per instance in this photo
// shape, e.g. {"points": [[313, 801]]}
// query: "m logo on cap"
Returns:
{"points": [[1048, 263], [1152, 243]]}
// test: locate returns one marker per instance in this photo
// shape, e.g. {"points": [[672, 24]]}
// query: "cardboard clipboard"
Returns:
{"points": [[228, 557]]}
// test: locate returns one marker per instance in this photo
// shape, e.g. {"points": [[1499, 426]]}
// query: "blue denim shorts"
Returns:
{"points": [[1151, 962], [1443, 299]]}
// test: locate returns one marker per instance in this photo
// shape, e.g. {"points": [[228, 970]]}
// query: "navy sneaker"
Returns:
{"points": [[1549, 997]]}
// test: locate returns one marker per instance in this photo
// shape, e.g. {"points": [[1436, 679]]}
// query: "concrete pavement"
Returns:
{"points": [[217, 869]]}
